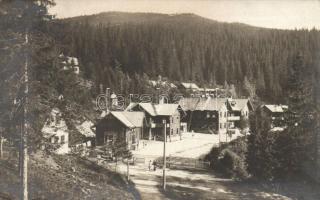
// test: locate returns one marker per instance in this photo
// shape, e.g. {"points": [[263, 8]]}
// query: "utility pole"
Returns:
{"points": [[158, 93], [164, 153], [24, 177], [227, 126], [216, 97], [107, 100], [1, 144]]}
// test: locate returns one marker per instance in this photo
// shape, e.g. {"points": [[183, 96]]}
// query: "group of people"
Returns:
{"points": [[153, 164]]}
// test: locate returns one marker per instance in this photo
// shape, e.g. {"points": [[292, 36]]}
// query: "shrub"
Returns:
{"points": [[233, 165], [229, 159]]}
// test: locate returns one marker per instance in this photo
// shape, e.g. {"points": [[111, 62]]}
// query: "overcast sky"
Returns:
{"points": [[284, 14]]}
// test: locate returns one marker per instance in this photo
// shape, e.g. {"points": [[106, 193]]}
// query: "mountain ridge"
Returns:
{"points": [[117, 17], [184, 47]]}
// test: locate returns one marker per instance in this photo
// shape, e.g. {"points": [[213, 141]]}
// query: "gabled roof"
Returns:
{"points": [[72, 60], [162, 83], [276, 108], [190, 86], [155, 109], [131, 106], [173, 85], [129, 119], [239, 104], [85, 128], [202, 104]]}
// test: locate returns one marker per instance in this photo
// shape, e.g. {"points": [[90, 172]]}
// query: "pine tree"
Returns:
{"points": [[296, 141], [261, 158]]}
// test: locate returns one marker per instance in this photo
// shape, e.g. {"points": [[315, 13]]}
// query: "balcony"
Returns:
{"points": [[158, 125], [233, 118]]}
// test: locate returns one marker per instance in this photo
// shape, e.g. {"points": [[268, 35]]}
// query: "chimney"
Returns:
{"points": [[114, 100], [101, 88]]}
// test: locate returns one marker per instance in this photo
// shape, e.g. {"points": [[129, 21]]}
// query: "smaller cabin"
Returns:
{"points": [[190, 87], [276, 114], [123, 125]]}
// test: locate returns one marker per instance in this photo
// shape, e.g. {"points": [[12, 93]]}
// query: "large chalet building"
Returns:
{"points": [[237, 109], [156, 115], [215, 115], [205, 114]]}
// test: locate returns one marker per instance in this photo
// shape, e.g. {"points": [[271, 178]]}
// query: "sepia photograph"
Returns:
{"points": [[159, 99]]}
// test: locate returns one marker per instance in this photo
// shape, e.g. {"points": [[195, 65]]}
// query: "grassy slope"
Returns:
{"points": [[74, 178]]}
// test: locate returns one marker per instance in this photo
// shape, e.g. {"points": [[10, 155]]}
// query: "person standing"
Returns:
{"points": [[150, 165], [154, 165]]}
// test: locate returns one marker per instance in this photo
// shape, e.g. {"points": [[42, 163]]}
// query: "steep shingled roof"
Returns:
{"points": [[190, 86], [202, 104], [155, 109], [276, 108], [129, 119], [238, 104]]}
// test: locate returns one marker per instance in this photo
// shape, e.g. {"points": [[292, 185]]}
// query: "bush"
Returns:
{"points": [[229, 159], [233, 165]]}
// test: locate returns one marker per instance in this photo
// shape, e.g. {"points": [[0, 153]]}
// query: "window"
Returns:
{"points": [[56, 139], [62, 139], [109, 138], [225, 114], [220, 114], [225, 125], [220, 125]]}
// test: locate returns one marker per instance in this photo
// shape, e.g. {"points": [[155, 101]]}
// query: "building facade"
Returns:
{"points": [[205, 114], [156, 115], [56, 133], [238, 109], [120, 126], [276, 114]]}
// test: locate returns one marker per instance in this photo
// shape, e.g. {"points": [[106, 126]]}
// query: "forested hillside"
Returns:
{"points": [[121, 49]]}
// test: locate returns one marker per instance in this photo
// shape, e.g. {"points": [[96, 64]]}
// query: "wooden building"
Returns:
{"points": [[155, 115], [237, 109], [189, 87], [205, 114], [276, 114], [56, 133], [127, 126]]}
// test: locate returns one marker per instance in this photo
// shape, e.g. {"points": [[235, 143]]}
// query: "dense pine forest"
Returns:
{"points": [[121, 49]]}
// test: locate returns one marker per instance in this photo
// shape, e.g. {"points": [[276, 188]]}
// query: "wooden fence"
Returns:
{"points": [[174, 162]]}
